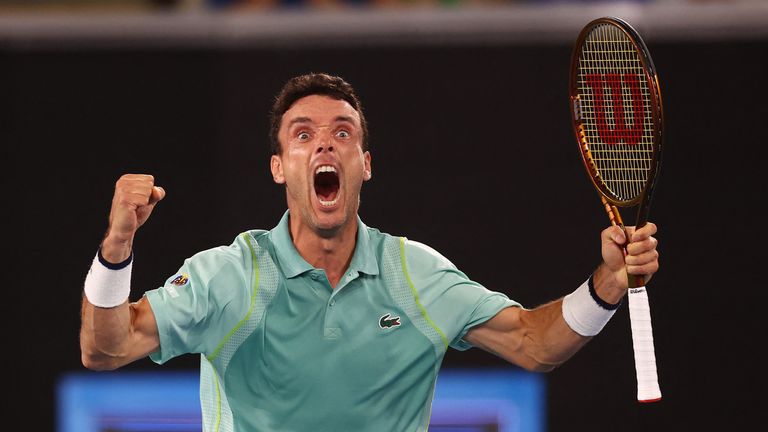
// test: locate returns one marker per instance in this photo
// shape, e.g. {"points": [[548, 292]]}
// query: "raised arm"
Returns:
{"points": [[541, 339], [116, 332]]}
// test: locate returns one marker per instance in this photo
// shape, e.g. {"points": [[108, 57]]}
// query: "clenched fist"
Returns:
{"points": [[135, 197], [642, 258]]}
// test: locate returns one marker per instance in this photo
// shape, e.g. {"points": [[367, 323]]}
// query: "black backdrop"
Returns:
{"points": [[460, 136]]}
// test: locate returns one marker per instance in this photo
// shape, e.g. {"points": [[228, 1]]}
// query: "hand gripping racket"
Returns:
{"points": [[618, 119]]}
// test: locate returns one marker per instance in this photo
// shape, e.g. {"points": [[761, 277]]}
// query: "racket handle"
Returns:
{"points": [[642, 341], [635, 281]]}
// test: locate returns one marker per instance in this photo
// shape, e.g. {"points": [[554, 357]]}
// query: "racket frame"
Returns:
{"points": [[610, 201]]}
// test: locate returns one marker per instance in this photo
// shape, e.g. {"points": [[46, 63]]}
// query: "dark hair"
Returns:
{"points": [[308, 85]]}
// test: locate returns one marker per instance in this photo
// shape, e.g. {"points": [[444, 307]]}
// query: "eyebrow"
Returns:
{"points": [[299, 120], [347, 119]]}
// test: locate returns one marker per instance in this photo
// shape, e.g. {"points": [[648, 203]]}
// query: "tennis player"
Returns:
{"points": [[323, 323]]}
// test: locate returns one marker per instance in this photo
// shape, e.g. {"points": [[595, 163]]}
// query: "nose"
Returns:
{"points": [[325, 143]]}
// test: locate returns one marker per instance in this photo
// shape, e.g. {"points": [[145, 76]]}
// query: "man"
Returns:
{"points": [[322, 323]]}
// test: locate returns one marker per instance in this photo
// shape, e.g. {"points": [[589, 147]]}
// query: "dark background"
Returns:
{"points": [[473, 154]]}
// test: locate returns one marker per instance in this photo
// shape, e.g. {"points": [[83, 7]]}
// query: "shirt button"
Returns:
{"points": [[333, 302], [315, 276]]}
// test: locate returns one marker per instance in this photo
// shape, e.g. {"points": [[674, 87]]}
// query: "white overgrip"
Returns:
{"points": [[642, 341]]}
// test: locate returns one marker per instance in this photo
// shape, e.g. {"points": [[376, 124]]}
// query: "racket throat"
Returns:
{"points": [[614, 215]]}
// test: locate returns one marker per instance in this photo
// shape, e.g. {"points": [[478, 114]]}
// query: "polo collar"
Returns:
{"points": [[293, 264]]}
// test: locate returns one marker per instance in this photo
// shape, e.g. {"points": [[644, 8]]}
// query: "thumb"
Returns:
{"points": [[613, 239], [616, 235], [158, 194]]}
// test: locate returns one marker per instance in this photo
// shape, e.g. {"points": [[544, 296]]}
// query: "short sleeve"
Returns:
{"points": [[454, 302], [198, 305]]}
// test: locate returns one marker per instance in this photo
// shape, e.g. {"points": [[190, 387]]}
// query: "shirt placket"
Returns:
{"points": [[333, 312]]}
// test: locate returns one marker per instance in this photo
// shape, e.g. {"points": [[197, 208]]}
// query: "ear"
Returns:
{"points": [[276, 166], [367, 174]]}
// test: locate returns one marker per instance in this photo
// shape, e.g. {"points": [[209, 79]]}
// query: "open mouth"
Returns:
{"points": [[326, 185]]}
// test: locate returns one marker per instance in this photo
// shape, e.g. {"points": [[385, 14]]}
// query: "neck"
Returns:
{"points": [[332, 253]]}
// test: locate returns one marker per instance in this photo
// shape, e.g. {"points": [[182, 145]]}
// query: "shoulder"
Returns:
{"points": [[418, 259], [415, 252], [237, 254], [421, 255]]}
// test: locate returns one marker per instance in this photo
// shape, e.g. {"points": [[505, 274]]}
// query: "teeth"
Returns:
{"points": [[325, 168], [328, 203]]}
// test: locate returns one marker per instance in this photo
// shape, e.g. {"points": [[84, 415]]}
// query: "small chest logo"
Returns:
{"points": [[180, 280], [386, 322]]}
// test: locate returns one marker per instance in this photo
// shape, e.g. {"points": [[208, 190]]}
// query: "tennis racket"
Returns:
{"points": [[618, 120]]}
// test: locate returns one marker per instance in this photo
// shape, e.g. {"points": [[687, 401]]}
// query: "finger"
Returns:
{"points": [[642, 259], [630, 231], [138, 184], [128, 179], [138, 177], [646, 231], [158, 194], [639, 247], [134, 199], [133, 182], [132, 191], [644, 269]]}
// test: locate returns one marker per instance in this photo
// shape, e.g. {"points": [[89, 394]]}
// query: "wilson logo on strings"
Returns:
{"points": [[622, 131]]}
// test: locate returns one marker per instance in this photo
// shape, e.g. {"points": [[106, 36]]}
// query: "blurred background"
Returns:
{"points": [[467, 104]]}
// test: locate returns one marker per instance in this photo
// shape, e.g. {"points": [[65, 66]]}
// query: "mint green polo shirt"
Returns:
{"points": [[283, 351]]}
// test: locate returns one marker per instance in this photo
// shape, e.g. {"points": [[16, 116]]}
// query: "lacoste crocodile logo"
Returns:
{"points": [[386, 322]]}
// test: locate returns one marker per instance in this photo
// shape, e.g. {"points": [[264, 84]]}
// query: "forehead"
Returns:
{"points": [[320, 109]]}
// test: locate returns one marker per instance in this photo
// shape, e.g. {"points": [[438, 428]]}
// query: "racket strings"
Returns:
{"points": [[616, 111]]}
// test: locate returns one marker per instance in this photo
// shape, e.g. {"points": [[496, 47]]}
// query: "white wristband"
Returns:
{"points": [[108, 285], [583, 313]]}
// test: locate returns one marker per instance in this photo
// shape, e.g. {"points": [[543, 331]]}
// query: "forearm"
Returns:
{"points": [[542, 338], [536, 339], [548, 341], [104, 335], [556, 331]]}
